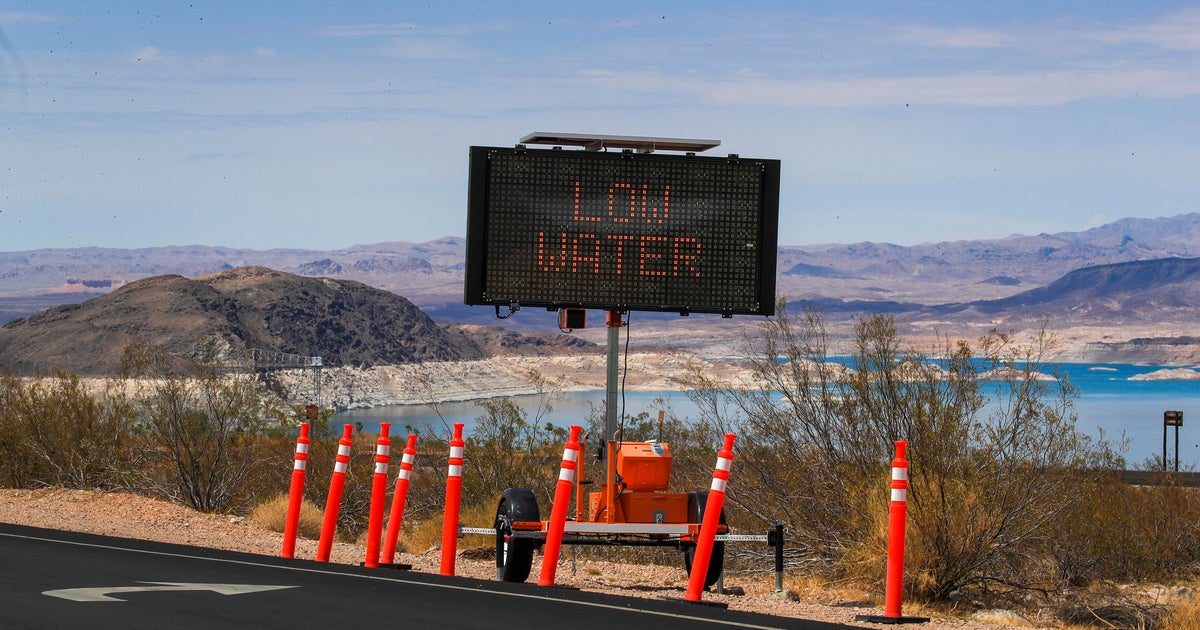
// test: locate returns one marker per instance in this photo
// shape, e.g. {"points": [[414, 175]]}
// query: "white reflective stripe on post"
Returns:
{"points": [[718, 485], [724, 464], [383, 449], [380, 468], [301, 464], [570, 455], [899, 495], [340, 467], [899, 474], [455, 470], [301, 447], [344, 449], [407, 459], [403, 473], [456, 451], [566, 474]]}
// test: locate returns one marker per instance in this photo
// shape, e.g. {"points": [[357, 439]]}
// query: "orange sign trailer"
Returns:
{"points": [[676, 219]]}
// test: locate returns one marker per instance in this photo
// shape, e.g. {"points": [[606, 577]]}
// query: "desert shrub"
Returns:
{"points": [[354, 510], [427, 483], [18, 463], [55, 431], [505, 449], [1167, 518], [1128, 533], [993, 462], [207, 429]]}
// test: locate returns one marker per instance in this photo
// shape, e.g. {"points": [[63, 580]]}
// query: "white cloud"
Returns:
{"points": [[955, 37], [369, 30], [1037, 89], [1179, 31], [147, 54], [427, 48], [1023, 64], [26, 18]]}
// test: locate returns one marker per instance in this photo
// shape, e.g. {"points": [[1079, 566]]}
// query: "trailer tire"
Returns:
{"points": [[697, 501], [514, 556]]}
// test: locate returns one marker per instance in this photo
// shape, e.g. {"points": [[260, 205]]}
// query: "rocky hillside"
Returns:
{"points": [[1118, 290], [251, 308], [1012, 261]]}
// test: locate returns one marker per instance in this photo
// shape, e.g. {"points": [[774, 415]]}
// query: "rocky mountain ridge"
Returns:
{"points": [[344, 322], [429, 273], [956, 288]]}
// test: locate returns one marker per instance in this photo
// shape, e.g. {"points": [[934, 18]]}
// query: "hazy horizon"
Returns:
{"points": [[354, 245]]}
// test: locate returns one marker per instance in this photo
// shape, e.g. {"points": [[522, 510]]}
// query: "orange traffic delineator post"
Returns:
{"points": [[558, 513], [399, 497], [383, 447], [712, 518], [453, 502], [897, 513], [333, 503], [291, 522]]}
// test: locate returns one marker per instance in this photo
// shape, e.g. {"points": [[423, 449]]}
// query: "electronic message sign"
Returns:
{"points": [[621, 231]]}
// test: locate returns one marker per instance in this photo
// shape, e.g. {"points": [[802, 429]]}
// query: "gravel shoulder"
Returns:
{"points": [[130, 516]]}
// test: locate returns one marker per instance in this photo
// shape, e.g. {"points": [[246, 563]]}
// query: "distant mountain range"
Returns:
{"points": [[1137, 273]]}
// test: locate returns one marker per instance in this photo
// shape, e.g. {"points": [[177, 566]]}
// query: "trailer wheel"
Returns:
{"points": [[514, 556], [697, 501]]}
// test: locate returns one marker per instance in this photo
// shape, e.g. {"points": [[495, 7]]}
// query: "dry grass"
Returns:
{"points": [[415, 537], [272, 514], [427, 534], [817, 588], [1184, 615]]}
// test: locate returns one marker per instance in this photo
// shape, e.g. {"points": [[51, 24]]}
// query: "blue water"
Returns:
{"points": [[1107, 400]]}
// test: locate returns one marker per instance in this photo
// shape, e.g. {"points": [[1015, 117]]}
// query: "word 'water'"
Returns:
{"points": [[642, 254]]}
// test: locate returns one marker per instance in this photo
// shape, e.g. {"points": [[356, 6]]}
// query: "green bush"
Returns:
{"points": [[208, 427], [55, 431]]}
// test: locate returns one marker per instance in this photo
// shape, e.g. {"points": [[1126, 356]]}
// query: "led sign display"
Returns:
{"points": [[622, 231]]}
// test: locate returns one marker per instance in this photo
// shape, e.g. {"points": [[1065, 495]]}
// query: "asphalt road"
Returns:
{"points": [[51, 579]]}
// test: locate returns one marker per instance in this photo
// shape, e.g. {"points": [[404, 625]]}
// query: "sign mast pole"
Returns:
{"points": [[613, 324]]}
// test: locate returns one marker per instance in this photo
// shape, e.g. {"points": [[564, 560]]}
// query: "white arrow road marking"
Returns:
{"points": [[101, 594]]}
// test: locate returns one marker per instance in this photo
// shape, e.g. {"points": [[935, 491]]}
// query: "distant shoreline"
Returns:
{"points": [[504, 376]]}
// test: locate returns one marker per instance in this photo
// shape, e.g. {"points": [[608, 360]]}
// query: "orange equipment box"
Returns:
{"points": [[654, 507], [644, 466]]}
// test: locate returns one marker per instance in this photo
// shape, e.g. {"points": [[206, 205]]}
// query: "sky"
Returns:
{"points": [[322, 125]]}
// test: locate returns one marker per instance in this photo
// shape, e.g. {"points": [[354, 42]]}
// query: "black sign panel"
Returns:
{"points": [[622, 231]]}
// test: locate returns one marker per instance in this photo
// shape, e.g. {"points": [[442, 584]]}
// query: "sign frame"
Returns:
{"points": [[757, 179]]}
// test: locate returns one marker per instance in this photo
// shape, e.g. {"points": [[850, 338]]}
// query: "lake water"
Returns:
{"points": [[1108, 400]]}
